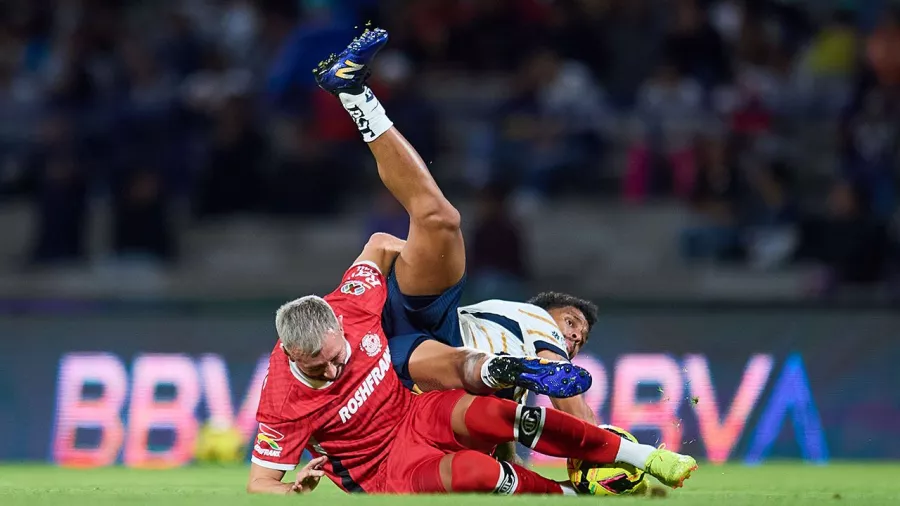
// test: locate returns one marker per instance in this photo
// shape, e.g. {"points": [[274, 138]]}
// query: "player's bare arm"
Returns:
{"points": [[381, 250], [269, 481], [575, 406]]}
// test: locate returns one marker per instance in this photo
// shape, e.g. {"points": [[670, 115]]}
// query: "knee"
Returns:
{"points": [[386, 242], [472, 471], [443, 217]]}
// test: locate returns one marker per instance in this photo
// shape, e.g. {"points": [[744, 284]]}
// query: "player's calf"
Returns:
{"points": [[472, 472], [557, 434]]}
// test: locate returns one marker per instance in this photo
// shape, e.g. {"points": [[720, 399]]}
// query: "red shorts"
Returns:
{"points": [[425, 436]]}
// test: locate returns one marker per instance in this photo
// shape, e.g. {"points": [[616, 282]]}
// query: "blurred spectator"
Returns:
{"points": [[411, 112], [833, 50], [497, 259], [847, 241], [727, 17], [770, 223], [142, 227], [830, 60], [670, 107], [62, 195], [308, 179], [881, 48], [695, 46], [715, 199], [578, 30], [550, 131], [233, 179], [870, 141], [213, 83], [757, 84], [632, 25], [180, 46]]}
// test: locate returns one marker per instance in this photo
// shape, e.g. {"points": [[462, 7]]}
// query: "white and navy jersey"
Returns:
{"points": [[512, 328]]}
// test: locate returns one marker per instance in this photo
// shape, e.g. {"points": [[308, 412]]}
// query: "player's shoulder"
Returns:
{"points": [[359, 283], [508, 308]]}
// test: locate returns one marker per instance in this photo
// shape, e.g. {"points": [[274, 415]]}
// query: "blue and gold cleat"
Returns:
{"points": [[348, 71], [547, 377]]}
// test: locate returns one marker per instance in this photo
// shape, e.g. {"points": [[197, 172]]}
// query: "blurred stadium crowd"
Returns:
{"points": [[772, 125]]}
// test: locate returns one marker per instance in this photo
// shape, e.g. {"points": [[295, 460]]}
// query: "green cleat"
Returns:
{"points": [[670, 468]]}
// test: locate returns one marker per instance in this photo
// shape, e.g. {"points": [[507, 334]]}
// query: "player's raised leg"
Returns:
{"points": [[431, 266], [477, 421], [434, 257]]}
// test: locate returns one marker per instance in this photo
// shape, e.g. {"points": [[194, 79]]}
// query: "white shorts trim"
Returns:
{"points": [[272, 465]]}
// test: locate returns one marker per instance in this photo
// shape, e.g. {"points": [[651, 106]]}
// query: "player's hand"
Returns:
{"points": [[308, 477]]}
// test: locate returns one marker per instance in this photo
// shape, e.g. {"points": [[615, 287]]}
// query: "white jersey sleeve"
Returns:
{"points": [[541, 331], [500, 326]]}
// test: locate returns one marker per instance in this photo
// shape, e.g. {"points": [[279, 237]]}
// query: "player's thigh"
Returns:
{"points": [[402, 348], [433, 260], [434, 315], [433, 365]]}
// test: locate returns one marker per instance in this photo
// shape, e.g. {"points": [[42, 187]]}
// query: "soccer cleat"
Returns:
{"points": [[547, 377], [670, 468], [348, 71]]}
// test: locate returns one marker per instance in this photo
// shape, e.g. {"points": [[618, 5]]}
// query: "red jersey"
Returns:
{"points": [[352, 420]]}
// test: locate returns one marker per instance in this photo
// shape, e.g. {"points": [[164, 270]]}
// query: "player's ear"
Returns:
{"points": [[284, 350]]}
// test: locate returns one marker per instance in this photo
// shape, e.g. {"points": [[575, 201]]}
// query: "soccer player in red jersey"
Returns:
{"points": [[331, 387]]}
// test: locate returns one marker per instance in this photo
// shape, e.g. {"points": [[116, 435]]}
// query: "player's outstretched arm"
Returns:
{"points": [[268, 481], [381, 250], [575, 406]]}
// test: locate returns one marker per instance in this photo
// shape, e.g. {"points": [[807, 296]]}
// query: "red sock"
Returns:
{"points": [[546, 431], [475, 472]]}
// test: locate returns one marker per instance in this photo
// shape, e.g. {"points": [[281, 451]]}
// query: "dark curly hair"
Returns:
{"points": [[556, 300]]}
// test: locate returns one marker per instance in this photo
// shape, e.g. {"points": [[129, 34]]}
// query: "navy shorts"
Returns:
{"points": [[408, 321]]}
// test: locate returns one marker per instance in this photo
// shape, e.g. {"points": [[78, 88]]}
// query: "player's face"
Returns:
{"points": [[329, 363], [574, 327]]}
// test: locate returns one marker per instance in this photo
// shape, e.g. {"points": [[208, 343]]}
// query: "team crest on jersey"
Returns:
{"points": [[267, 441], [354, 288], [559, 338], [371, 344]]}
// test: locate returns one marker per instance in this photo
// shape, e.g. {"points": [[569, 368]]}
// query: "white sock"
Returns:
{"points": [[486, 377], [634, 453], [367, 112]]}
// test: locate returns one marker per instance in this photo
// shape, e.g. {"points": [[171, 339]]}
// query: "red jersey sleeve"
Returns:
{"points": [[363, 287], [280, 445]]}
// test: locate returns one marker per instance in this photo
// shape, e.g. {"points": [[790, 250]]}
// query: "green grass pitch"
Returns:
{"points": [[791, 484]]}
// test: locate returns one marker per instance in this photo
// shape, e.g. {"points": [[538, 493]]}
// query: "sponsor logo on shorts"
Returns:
{"points": [[269, 437], [371, 344], [354, 288], [366, 387]]}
